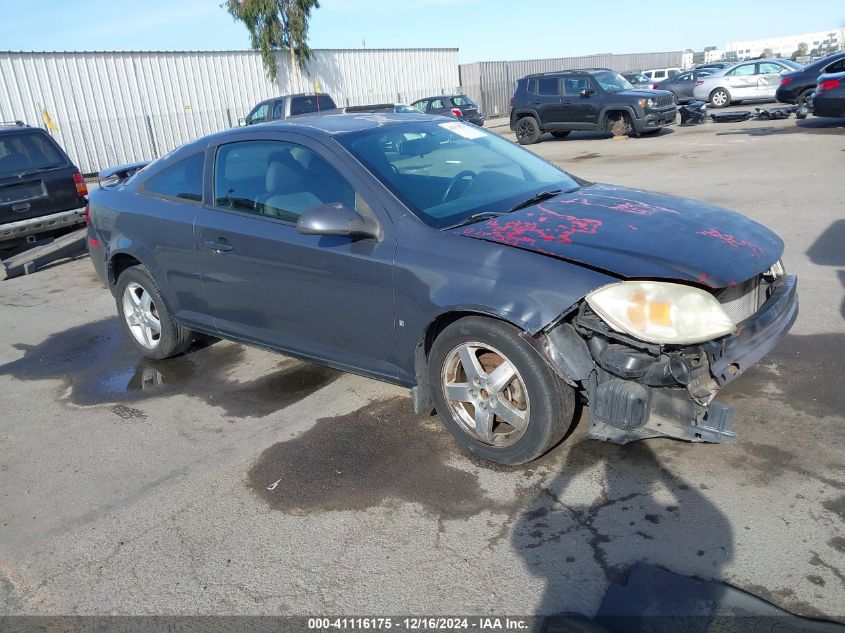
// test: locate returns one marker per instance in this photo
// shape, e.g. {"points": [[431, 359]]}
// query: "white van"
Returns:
{"points": [[659, 74]]}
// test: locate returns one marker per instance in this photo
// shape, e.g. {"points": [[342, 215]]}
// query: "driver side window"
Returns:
{"points": [[259, 114], [275, 179]]}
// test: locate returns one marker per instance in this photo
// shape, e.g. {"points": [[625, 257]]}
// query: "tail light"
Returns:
{"points": [[87, 216], [512, 100], [785, 80], [655, 87], [830, 84], [700, 82], [81, 187], [457, 112]]}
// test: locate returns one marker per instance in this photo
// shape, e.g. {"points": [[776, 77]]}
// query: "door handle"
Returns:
{"points": [[533, 103], [219, 248]]}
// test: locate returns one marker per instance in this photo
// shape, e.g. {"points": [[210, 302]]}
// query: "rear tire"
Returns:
{"points": [[804, 99], [561, 133], [720, 98], [507, 381], [527, 130], [146, 317]]}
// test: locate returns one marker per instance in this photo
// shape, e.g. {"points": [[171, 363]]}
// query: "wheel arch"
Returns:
{"points": [[422, 396], [609, 110]]}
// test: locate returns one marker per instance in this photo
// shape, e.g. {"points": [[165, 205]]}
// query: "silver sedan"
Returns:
{"points": [[753, 79]]}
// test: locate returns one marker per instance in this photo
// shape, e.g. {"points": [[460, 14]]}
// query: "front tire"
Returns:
{"points": [[805, 98], [527, 130], [146, 317], [496, 396], [720, 98]]}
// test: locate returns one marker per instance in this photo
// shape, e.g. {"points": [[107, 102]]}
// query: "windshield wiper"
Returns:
{"points": [[38, 170], [538, 197], [477, 217]]}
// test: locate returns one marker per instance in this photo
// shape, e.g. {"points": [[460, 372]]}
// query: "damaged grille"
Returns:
{"points": [[742, 301]]}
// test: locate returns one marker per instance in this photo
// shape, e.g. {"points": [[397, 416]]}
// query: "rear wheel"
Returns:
{"points": [[146, 318], [527, 130], [720, 98], [495, 394], [561, 133], [805, 98]]}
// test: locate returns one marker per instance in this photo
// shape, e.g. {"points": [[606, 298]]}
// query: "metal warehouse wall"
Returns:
{"points": [[491, 83], [117, 107]]}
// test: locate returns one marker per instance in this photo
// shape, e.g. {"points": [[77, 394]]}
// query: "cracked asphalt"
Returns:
{"points": [[233, 480]]}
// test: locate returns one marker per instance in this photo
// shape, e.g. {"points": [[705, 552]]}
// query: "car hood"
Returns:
{"points": [[638, 234]]}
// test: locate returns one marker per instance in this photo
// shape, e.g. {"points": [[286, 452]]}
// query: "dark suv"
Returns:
{"points": [[42, 192], [286, 106], [799, 85], [588, 99]]}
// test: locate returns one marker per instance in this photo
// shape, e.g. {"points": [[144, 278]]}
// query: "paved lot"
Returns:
{"points": [[233, 480]]}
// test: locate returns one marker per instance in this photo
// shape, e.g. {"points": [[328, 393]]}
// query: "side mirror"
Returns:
{"points": [[587, 92], [241, 121], [337, 219]]}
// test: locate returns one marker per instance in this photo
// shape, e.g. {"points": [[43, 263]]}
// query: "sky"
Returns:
{"points": [[480, 29]]}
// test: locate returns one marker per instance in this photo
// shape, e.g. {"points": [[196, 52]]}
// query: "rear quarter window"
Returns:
{"points": [[30, 150], [182, 180]]}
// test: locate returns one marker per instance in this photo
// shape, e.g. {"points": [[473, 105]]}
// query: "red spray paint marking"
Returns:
{"points": [[731, 241], [522, 233]]}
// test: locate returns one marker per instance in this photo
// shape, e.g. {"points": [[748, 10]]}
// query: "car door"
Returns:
{"points": [[437, 106], [683, 83], [578, 111], [768, 79], [278, 109], [741, 81], [327, 298], [546, 98]]}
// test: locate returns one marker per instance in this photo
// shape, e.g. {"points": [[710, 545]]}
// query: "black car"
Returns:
{"points": [[798, 86], [829, 97], [436, 255], [286, 106], [459, 106], [41, 191], [681, 86], [589, 99]]}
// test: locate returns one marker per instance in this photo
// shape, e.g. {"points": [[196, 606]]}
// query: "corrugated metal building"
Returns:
{"points": [[116, 107], [491, 83]]}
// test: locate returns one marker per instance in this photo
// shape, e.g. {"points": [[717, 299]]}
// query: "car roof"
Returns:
{"points": [[569, 71], [15, 126], [443, 96]]}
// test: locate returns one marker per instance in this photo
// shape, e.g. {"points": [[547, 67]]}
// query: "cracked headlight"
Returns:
{"points": [[661, 312]]}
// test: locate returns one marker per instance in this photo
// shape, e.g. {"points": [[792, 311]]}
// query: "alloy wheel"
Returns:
{"points": [[141, 315], [524, 131], [720, 98], [486, 394]]}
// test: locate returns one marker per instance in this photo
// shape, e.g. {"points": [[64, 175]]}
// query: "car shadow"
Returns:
{"points": [[802, 126], [829, 250], [644, 512], [597, 136]]}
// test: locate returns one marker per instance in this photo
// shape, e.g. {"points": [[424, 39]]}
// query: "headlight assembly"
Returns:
{"points": [[661, 312]]}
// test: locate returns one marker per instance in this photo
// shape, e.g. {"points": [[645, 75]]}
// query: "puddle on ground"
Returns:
{"points": [[99, 365], [379, 453]]}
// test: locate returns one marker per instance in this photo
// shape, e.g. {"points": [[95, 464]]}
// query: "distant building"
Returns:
{"points": [[818, 43]]}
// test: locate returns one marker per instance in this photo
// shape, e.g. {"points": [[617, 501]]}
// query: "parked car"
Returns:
{"points": [[754, 79], [829, 96], [659, 74], [286, 106], [681, 86], [497, 287], [42, 193], [381, 107], [589, 99], [638, 80], [798, 86], [458, 106], [712, 66]]}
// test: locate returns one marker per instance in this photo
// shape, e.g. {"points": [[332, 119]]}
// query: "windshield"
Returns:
{"points": [[637, 78], [28, 151], [611, 81], [445, 172]]}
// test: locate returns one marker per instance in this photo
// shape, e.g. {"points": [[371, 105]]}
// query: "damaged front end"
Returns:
{"points": [[636, 389]]}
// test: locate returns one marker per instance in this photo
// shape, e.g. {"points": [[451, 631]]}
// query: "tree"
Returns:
{"points": [[767, 52], [276, 25], [801, 51]]}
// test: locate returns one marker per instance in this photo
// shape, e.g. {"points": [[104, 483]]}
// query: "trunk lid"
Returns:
{"points": [[637, 234]]}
